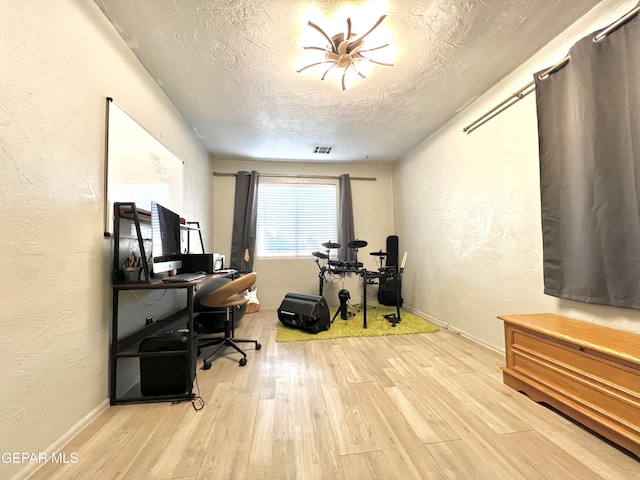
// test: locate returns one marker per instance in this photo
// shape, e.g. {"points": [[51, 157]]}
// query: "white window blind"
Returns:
{"points": [[294, 219]]}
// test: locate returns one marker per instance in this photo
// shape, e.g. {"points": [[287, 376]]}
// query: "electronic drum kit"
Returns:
{"points": [[337, 266], [369, 277], [355, 245]]}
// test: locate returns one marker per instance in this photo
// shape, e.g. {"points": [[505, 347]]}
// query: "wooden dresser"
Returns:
{"points": [[589, 372]]}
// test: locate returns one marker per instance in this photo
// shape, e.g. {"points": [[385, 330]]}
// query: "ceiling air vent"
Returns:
{"points": [[325, 150]]}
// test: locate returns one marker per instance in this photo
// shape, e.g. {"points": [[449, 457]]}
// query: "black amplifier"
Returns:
{"points": [[305, 312], [389, 289]]}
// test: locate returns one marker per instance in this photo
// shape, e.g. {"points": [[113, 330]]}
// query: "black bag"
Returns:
{"points": [[305, 312]]}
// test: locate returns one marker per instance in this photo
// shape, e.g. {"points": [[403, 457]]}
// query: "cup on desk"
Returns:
{"points": [[131, 274]]}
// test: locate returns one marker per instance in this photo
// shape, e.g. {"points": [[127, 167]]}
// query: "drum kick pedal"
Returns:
{"points": [[393, 319], [344, 297]]}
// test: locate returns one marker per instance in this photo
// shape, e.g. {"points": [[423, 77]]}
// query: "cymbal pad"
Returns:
{"points": [[357, 244]]}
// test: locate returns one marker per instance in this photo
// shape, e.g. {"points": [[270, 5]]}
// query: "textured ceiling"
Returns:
{"points": [[229, 68]]}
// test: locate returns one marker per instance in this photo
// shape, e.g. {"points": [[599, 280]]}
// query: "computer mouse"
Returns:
{"points": [[201, 272]]}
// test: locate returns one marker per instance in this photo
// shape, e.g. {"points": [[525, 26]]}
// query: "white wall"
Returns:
{"points": [[59, 62], [474, 236], [373, 222]]}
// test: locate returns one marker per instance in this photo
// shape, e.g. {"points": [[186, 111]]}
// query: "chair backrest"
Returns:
{"points": [[235, 287]]}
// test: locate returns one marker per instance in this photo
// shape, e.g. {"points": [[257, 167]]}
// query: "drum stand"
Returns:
{"points": [[324, 268], [381, 256], [392, 318]]}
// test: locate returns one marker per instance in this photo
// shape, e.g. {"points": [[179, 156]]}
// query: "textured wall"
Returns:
{"points": [[59, 61], [373, 222], [474, 238]]}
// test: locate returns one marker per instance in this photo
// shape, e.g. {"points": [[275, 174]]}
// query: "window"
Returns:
{"points": [[295, 218]]}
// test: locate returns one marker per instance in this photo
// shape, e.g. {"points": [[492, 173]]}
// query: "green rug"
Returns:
{"points": [[377, 325]]}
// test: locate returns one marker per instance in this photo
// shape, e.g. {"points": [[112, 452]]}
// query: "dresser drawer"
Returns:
{"points": [[577, 360]]}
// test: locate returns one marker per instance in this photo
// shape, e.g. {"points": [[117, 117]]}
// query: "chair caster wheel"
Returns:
{"points": [[243, 362], [206, 365], [258, 346]]}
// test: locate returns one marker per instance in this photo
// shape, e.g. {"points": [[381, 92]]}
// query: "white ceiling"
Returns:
{"points": [[229, 68]]}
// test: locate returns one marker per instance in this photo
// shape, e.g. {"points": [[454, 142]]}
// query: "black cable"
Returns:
{"points": [[197, 402]]}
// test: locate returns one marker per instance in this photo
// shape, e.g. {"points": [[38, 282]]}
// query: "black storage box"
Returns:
{"points": [[306, 312], [197, 262], [163, 374]]}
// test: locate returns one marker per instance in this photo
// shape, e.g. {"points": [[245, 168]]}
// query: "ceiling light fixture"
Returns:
{"points": [[345, 51]]}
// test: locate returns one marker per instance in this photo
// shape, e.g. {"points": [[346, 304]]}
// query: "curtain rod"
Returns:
{"points": [[530, 87], [279, 175]]}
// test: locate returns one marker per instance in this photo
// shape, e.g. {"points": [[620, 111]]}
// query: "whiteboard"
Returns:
{"points": [[138, 168]]}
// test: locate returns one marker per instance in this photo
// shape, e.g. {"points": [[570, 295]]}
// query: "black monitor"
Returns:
{"points": [[165, 237]]}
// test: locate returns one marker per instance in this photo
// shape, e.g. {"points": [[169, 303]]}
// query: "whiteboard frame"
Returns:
{"points": [[138, 167]]}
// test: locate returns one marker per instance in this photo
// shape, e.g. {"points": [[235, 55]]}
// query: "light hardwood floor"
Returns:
{"points": [[426, 406]]}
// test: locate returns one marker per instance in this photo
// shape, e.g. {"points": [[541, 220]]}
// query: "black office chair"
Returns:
{"points": [[230, 297]]}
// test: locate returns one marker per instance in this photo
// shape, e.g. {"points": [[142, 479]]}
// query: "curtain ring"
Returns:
{"points": [[544, 75], [598, 37]]}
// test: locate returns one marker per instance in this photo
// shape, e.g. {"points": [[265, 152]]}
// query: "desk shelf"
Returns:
{"points": [[129, 211], [134, 395], [128, 347]]}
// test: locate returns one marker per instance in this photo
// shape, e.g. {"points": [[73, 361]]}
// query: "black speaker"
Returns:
{"points": [[197, 262], [166, 374], [305, 312]]}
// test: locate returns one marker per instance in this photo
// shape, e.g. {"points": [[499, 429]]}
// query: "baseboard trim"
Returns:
{"points": [[454, 329], [62, 442]]}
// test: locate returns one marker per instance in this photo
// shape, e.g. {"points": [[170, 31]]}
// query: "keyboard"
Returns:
{"points": [[184, 277]]}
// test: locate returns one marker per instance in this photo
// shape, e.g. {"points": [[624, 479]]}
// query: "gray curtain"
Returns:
{"points": [[346, 232], [589, 139], [243, 239]]}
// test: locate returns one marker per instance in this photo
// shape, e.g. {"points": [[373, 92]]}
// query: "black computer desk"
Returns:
{"points": [[128, 346]]}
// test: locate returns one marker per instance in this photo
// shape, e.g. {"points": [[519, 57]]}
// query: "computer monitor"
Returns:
{"points": [[165, 238]]}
